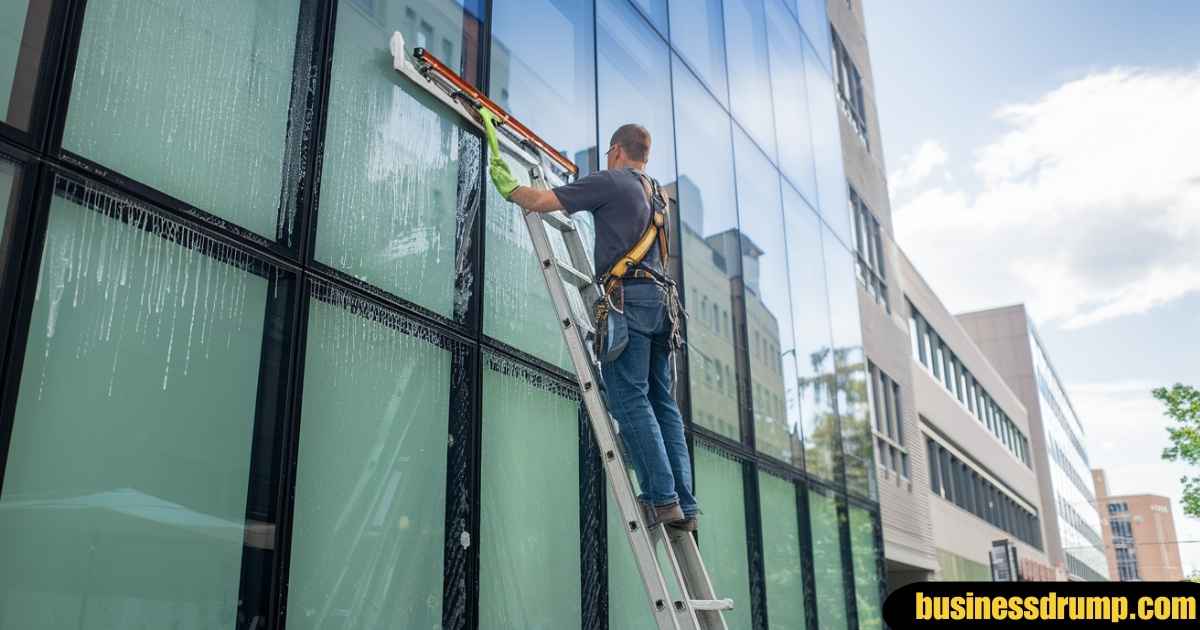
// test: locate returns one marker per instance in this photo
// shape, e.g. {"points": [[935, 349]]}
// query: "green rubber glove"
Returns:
{"points": [[502, 178]]}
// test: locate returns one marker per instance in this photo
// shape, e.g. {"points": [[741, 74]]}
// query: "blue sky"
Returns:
{"points": [[1052, 145]]}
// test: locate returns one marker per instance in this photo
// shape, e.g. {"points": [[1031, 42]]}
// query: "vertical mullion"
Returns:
{"points": [[807, 564], [462, 522], [754, 546], [60, 97], [843, 518], [24, 292]]}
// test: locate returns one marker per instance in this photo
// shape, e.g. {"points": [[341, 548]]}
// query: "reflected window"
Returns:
{"points": [[547, 81], [750, 83], [371, 471], [781, 552], [190, 98], [23, 25], [762, 272], [828, 573], [850, 89], [698, 33], [400, 176], [813, 364], [827, 148], [136, 424], [864, 549], [634, 65], [708, 220], [529, 548], [786, 48], [723, 537]]}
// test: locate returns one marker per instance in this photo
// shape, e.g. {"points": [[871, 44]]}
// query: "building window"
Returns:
{"points": [[868, 240], [889, 422], [850, 88], [948, 369], [960, 483]]}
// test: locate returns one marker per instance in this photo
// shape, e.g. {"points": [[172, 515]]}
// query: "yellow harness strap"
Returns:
{"points": [[632, 258]]}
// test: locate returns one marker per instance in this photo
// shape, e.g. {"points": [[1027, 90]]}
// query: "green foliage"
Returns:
{"points": [[1182, 404]]}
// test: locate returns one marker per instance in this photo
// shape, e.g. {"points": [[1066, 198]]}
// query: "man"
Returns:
{"points": [[638, 380]]}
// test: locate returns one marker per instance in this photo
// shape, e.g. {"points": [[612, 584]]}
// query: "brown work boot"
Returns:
{"points": [[688, 524], [663, 514]]}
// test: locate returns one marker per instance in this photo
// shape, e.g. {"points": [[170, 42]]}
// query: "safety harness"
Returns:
{"points": [[632, 265]]}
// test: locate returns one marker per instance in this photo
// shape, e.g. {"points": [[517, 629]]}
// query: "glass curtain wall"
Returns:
{"points": [[278, 328]]}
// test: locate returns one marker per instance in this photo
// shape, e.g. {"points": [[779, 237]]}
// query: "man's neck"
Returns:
{"points": [[637, 166]]}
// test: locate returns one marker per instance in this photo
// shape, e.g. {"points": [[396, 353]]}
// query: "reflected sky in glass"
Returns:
{"points": [[827, 149], [543, 70], [698, 33], [790, 99], [634, 66], [750, 82]]}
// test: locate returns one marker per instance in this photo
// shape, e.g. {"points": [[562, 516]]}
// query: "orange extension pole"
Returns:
{"points": [[430, 63]]}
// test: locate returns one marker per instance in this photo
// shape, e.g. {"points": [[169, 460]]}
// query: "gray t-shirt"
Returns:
{"points": [[618, 202]]}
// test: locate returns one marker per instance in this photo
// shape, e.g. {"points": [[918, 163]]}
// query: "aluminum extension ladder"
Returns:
{"points": [[697, 608]]}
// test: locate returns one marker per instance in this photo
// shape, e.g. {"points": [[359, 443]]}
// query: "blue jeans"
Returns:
{"points": [[638, 383]]}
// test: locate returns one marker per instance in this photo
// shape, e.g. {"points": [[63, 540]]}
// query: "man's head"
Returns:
{"points": [[629, 147]]}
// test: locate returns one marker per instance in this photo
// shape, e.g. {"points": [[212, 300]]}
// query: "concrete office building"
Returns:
{"points": [[1070, 522], [1139, 535], [953, 461], [273, 353]]}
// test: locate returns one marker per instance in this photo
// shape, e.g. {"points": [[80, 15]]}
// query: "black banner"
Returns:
{"points": [[1148, 605]]}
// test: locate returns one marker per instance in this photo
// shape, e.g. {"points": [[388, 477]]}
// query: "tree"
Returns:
{"points": [[1183, 406]]}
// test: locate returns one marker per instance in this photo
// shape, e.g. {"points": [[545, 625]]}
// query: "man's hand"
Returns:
{"points": [[502, 178]]}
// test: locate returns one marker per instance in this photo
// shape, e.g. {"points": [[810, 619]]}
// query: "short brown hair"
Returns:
{"points": [[634, 140]]}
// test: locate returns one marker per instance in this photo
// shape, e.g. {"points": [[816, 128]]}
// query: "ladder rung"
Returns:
{"points": [[559, 221], [572, 275], [711, 604]]}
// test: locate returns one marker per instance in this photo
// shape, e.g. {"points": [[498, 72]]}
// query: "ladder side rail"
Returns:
{"points": [[700, 587], [601, 424]]}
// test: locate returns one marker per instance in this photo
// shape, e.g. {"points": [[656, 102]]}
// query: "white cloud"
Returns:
{"points": [[1087, 207], [917, 166], [1127, 432]]}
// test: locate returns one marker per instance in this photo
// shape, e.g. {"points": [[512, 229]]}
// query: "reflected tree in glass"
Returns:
{"points": [[850, 383], [813, 361]]}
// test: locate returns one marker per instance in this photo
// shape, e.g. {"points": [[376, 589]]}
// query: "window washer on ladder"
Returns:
{"points": [[638, 325]]}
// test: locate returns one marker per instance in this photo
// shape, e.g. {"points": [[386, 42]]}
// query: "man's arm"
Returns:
{"points": [[534, 200], [531, 199]]}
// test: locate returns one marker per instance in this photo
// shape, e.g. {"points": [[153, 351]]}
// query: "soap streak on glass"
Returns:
{"points": [[181, 271]]}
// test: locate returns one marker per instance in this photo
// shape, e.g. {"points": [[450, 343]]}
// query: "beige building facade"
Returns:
{"points": [[1140, 542]]}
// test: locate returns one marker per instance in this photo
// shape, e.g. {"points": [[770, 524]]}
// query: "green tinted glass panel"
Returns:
{"points": [[529, 550], [517, 306], [368, 538], [628, 606], [125, 495], [190, 98], [399, 185], [8, 176], [866, 569], [12, 27], [781, 552], [827, 561], [723, 530]]}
